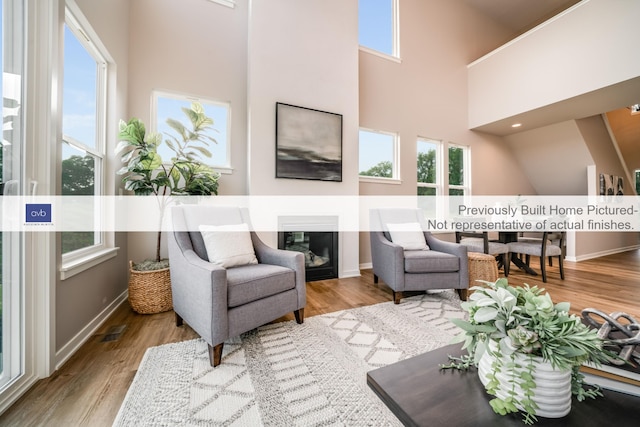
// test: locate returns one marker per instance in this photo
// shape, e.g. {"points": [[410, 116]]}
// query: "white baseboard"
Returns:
{"points": [[366, 266], [602, 253], [350, 273], [81, 337]]}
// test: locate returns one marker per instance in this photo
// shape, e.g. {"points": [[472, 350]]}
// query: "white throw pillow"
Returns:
{"points": [[228, 245], [409, 235]]}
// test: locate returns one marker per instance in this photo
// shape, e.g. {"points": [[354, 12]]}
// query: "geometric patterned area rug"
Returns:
{"points": [[285, 374]]}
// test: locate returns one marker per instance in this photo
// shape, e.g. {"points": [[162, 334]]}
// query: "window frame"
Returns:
{"points": [[438, 185], [103, 248], [228, 3], [395, 34], [225, 168], [395, 161], [466, 170]]}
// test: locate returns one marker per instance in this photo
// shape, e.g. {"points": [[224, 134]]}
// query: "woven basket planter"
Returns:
{"points": [[150, 291]]}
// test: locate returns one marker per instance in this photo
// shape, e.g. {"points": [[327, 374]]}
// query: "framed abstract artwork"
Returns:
{"points": [[308, 143]]}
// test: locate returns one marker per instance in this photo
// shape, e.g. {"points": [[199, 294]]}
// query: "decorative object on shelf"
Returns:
{"points": [[308, 143], [519, 339], [624, 338], [611, 185], [146, 173]]}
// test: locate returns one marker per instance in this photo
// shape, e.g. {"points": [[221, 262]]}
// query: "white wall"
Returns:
{"points": [[303, 53], [588, 48]]}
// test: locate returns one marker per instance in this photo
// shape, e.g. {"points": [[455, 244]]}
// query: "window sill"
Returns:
{"points": [[228, 3], [70, 269], [374, 180], [380, 54], [224, 170]]}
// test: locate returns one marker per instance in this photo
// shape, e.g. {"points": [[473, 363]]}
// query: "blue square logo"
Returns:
{"points": [[40, 212]]}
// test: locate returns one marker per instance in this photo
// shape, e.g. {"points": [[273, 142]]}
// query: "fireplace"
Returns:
{"points": [[319, 246]]}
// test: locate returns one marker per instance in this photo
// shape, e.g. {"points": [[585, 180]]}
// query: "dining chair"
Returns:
{"points": [[551, 244]]}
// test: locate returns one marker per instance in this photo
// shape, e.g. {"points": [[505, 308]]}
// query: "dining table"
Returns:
{"points": [[507, 237]]}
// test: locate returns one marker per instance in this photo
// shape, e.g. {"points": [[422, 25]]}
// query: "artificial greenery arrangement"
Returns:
{"points": [[522, 321], [146, 173]]}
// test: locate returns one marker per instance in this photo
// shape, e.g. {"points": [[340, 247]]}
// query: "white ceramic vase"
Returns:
{"points": [[553, 386]]}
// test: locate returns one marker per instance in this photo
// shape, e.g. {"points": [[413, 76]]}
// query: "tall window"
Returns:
{"points": [[429, 166], [638, 182], [378, 28], [169, 106], [12, 289], [459, 173], [378, 154], [83, 127]]}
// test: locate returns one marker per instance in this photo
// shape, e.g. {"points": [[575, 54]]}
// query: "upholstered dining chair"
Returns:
{"points": [[225, 281], [407, 258], [479, 242], [549, 245]]}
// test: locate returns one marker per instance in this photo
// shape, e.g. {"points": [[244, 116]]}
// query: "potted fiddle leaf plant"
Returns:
{"points": [[146, 173], [527, 350]]}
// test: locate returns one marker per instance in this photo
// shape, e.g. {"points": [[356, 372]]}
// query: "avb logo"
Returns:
{"points": [[40, 212]]}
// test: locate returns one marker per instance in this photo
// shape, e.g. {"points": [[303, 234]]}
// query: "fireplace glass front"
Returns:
{"points": [[320, 249]]}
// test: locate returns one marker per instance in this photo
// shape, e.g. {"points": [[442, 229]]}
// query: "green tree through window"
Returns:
{"points": [[383, 169]]}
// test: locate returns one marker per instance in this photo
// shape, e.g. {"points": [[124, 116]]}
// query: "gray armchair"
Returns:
{"points": [[219, 303], [443, 266]]}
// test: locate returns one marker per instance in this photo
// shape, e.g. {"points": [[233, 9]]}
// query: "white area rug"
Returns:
{"points": [[286, 374]]}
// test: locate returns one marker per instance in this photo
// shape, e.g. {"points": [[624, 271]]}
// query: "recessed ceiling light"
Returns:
{"points": [[516, 125]]}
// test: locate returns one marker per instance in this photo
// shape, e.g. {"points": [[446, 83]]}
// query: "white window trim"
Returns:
{"points": [[228, 3], [466, 165], [223, 169], [77, 261], [395, 34], [439, 165], [395, 165]]}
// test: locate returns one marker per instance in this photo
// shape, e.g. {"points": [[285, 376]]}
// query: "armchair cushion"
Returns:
{"points": [[228, 245], [409, 235], [253, 282], [430, 262]]}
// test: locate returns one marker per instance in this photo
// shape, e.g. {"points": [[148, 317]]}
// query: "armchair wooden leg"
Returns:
{"points": [[299, 314], [544, 269], [561, 266], [215, 354], [179, 321], [397, 296], [463, 293], [375, 279]]}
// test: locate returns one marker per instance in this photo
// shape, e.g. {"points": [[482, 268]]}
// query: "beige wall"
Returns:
{"points": [[554, 157], [426, 95], [303, 53], [193, 47], [197, 48], [600, 145]]}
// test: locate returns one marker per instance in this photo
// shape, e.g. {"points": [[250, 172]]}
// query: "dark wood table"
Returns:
{"points": [[419, 393], [507, 237]]}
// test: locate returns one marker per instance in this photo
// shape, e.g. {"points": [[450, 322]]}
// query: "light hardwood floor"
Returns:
{"points": [[88, 390]]}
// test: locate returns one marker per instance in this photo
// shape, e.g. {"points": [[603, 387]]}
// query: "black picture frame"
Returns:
{"points": [[308, 143]]}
